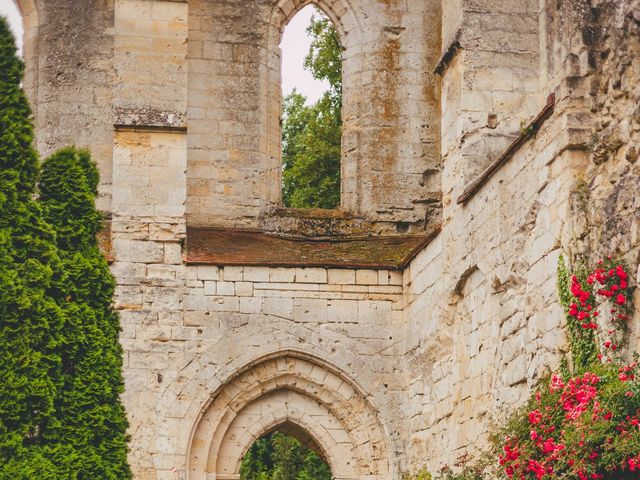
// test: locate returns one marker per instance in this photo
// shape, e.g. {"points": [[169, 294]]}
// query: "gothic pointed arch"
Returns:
{"points": [[288, 390]]}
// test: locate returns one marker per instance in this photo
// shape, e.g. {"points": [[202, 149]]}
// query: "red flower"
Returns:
{"points": [[536, 468], [622, 275], [535, 417]]}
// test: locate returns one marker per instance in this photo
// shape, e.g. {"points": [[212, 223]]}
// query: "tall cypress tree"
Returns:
{"points": [[60, 361], [30, 320], [89, 413]]}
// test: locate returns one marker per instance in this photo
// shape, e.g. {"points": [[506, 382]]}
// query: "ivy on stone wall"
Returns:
{"points": [[597, 305], [582, 341]]}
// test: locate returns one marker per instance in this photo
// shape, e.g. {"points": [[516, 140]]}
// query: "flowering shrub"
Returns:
{"points": [[582, 423], [584, 426], [582, 294]]}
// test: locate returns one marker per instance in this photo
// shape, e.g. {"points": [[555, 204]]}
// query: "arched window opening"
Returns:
{"points": [[284, 455], [14, 16], [312, 112]]}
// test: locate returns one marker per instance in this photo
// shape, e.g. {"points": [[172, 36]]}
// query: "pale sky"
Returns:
{"points": [[295, 45], [9, 9]]}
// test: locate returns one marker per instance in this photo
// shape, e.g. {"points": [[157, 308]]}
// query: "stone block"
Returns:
{"points": [[223, 304], [342, 311], [311, 275], [366, 277], [341, 276], [163, 272], [256, 274], [250, 305], [244, 289], [172, 253], [282, 275], [226, 288], [207, 272], [198, 318], [278, 307], [232, 274], [146, 252], [210, 287], [310, 310]]}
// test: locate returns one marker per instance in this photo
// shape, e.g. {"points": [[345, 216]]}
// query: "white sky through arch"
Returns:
{"points": [[295, 45], [9, 10]]}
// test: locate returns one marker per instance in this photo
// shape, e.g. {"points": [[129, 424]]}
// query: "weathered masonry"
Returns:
{"points": [[388, 333]]}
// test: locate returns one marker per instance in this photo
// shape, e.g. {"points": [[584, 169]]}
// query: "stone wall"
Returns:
{"points": [[390, 165], [381, 371], [188, 331], [483, 320], [70, 87], [483, 317]]}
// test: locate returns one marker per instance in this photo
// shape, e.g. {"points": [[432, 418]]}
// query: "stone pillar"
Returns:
{"points": [[489, 68], [68, 53], [149, 191]]}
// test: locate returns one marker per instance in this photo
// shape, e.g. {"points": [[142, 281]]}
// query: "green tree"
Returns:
{"points": [[277, 456], [89, 414], [311, 135], [31, 321], [60, 380]]}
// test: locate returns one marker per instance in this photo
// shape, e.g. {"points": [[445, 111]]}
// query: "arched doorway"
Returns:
{"points": [[306, 398]]}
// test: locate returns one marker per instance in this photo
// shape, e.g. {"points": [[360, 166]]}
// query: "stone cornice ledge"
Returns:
{"points": [[225, 247], [526, 133]]}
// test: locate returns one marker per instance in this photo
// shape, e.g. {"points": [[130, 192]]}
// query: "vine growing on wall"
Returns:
{"points": [[583, 422], [582, 341], [597, 307]]}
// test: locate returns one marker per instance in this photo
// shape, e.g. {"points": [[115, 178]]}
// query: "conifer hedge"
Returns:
{"points": [[60, 360], [89, 414]]}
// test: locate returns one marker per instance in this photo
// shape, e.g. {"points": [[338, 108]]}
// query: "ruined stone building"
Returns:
{"points": [[482, 139]]}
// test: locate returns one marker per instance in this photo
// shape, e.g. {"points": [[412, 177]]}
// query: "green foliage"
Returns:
{"points": [[90, 416], [421, 475], [582, 342], [311, 135], [60, 414], [464, 468], [572, 426], [324, 59], [277, 456], [18, 159], [31, 322]]}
